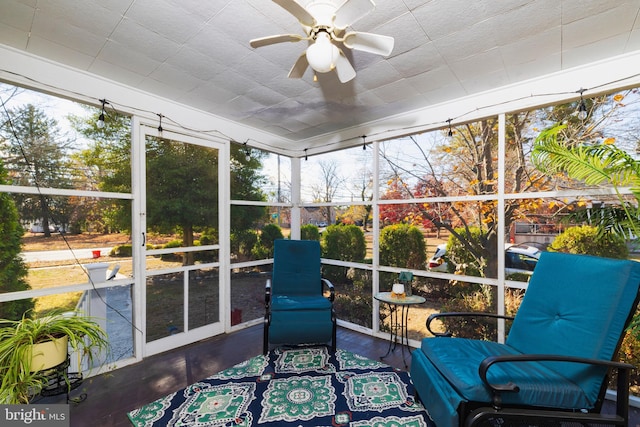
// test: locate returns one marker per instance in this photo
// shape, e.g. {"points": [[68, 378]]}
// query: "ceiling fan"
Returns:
{"points": [[325, 26]]}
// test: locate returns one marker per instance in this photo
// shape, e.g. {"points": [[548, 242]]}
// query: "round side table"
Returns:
{"points": [[399, 308]]}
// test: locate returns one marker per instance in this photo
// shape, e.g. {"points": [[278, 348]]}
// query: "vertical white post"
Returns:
{"points": [[295, 198]]}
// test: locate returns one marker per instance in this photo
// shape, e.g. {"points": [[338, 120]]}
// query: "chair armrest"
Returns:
{"points": [[434, 316], [267, 293], [624, 370], [329, 285]]}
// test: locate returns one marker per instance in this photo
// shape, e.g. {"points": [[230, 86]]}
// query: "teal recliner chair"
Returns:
{"points": [[552, 368], [297, 310]]}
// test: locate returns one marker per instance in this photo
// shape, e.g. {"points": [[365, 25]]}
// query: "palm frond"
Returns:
{"points": [[593, 164]]}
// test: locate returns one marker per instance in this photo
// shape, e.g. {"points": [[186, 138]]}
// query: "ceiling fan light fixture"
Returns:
{"points": [[322, 54]]}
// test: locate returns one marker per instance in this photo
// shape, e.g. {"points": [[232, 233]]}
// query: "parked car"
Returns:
{"points": [[518, 259]]}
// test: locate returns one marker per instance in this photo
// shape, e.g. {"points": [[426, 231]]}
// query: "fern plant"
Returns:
{"points": [[594, 165]]}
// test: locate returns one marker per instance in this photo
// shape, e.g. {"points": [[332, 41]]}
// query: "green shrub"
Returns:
{"points": [[309, 232], [353, 301], [176, 243], [590, 240], [264, 247], [345, 243], [173, 257], [122, 251], [242, 242], [403, 245]]}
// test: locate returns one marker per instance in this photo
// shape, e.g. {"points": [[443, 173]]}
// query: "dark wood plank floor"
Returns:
{"points": [[112, 395]]}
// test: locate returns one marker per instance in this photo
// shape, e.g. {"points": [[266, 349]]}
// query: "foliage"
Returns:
{"points": [[402, 245], [589, 240], [107, 167], [594, 164], [18, 384], [175, 243], [459, 253], [354, 302], [181, 180], [345, 243], [310, 232], [182, 188], [243, 241], [246, 184], [123, 251], [37, 156], [480, 301], [268, 235], [13, 271]]}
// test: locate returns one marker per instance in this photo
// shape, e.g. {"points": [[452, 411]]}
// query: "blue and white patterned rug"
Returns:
{"points": [[300, 387]]}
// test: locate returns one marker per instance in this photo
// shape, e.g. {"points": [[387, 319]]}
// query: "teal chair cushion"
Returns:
{"points": [[288, 302], [458, 359], [576, 305], [296, 268]]}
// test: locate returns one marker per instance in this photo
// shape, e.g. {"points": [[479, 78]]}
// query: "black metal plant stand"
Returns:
{"points": [[60, 381]]}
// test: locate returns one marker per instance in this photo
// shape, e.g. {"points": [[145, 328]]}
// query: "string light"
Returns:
{"points": [[582, 107], [305, 155], [100, 122], [246, 151], [160, 125], [450, 133], [504, 104], [364, 142]]}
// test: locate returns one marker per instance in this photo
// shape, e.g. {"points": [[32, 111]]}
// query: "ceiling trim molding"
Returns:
{"points": [[599, 77], [34, 72]]}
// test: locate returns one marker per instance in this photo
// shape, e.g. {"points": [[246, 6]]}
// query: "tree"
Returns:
{"points": [[106, 166], [108, 163], [465, 163], [246, 184], [328, 187], [13, 271], [37, 157], [182, 188]]}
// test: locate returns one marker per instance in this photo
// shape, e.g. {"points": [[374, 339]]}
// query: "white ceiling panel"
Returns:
{"points": [[197, 53]]}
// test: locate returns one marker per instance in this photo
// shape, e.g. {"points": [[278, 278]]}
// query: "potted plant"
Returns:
{"points": [[25, 346]]}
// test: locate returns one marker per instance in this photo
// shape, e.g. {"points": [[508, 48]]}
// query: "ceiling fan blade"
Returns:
{"points": [[298, 69], [368, 42], [282, 38], [294, 8], [352, 10], [344, 69]]}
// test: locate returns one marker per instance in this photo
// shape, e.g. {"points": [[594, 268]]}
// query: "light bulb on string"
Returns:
{"points": [[450, 133], [100, 122], [305, 155], [247, 152], [582, 107], [160, 124]]}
